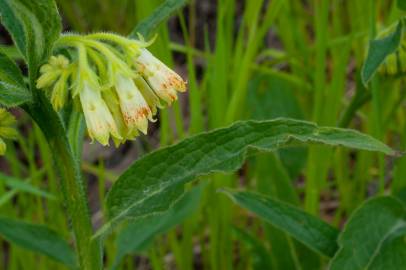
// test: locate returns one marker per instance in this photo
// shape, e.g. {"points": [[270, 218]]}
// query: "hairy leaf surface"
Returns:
{"points": [[13, 91], [373, 238], [33, 25], [155, 182]]}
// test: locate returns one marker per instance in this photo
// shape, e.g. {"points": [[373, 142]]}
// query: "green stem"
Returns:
{"points": [[73, 188], [361, 97], [77, 205], [377, 106]]}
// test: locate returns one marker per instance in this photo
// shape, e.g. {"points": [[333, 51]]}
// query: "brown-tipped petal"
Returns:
{"points": [[164, 81], [134, 108], [150, 97], [99, 121]]}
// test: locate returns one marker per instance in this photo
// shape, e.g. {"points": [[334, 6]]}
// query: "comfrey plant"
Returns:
{"points": [[114, 86], [118, 83]]}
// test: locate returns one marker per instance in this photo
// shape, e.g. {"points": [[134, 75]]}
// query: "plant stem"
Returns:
{"points": [[73, 188], [75, 198]]}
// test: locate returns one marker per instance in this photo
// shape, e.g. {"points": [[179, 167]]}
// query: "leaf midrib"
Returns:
{"points": [[398, 225]]}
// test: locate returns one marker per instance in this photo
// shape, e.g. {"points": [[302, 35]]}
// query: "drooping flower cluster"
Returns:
{"points": [[117, 81], [7, 130]]}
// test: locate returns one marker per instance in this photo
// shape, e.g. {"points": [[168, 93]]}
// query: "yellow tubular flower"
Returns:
{"points": [[150, 97], [135, 109], [113, 104], [164, 81], [99, 121]]}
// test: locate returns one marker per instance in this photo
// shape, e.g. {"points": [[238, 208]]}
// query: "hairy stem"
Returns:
{"points": [[73, 189]]}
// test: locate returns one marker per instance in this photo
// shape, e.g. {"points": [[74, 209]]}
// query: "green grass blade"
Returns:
{"points": [[163, 12], [24, 186]]}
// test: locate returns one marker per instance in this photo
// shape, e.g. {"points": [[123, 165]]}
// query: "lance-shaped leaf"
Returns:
{"points": [[37, 238], [310, 230], [13, 91], [378, 50], [13, 95], [155, 182], [373, 237], [160, 14]]}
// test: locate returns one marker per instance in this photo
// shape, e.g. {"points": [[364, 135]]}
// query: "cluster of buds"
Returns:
{"points": [[7, 130], [118, 83]]}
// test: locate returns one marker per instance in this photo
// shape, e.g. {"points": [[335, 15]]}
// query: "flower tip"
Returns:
{"points": [[142, 125]]}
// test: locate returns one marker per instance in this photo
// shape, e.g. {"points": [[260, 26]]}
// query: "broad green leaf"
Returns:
{"points": [[24, 186], [13, 91], [33, 25], [13, 95], [156, 181], [11, 51], [161, 13], [272, 97], [139, 234], [9, 71], [373, 237], [37, 238], [273, 180], [378, 50], [311, 231]]}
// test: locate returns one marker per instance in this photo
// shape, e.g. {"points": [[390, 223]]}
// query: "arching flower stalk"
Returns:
{"points": [[7, 130], [117, 81]]}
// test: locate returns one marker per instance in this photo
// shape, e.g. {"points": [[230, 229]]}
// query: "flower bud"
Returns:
{"points": [[47, 79], [59, 94], [57, 66]]}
